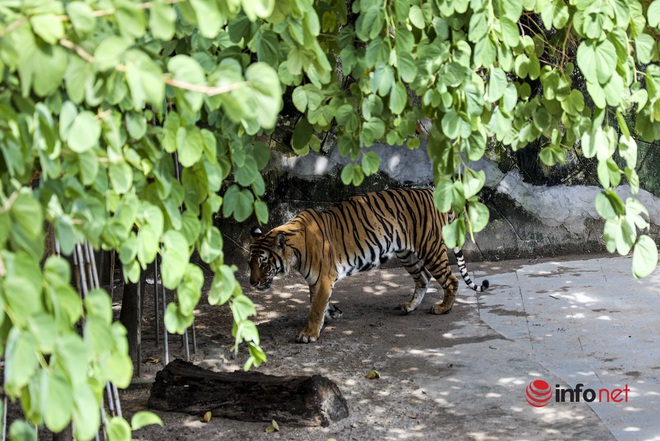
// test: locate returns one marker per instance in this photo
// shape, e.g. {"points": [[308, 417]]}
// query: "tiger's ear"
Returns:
{"points": [[280, 241], [256, 232]]}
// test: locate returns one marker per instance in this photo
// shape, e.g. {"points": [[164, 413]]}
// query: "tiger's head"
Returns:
{"points": [[268, 257]]}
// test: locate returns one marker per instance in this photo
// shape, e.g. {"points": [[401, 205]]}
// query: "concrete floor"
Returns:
{"points": [[589, 322]]}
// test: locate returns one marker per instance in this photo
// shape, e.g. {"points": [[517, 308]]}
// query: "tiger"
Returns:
{"points": [[358, 235]]}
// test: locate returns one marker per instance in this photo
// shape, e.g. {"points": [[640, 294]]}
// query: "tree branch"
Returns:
{"points": [[205, 89]]}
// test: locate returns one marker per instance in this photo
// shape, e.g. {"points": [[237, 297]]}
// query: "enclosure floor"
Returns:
{"points": [[460, 376]]}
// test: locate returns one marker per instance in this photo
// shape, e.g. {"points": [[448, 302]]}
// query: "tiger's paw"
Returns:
{"points": [[440, 309], [308, 335], [333, 312], [407, 307], [304, 338]]}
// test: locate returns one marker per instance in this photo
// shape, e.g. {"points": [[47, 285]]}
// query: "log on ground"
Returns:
{"points": [[247, 396]]}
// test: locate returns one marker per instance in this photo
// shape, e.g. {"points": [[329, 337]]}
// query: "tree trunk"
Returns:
{"points": [[247, 396], [131, 317]]}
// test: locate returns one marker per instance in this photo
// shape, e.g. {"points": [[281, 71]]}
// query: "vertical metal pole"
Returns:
{"points": [[185, 340], [4, 419], [165, 340], [117, 402], [194, 338], [156, 301], [113, 256], [111, 401]]}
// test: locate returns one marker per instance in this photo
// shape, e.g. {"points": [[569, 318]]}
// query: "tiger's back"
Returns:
{"points": [[360, 234], [366, 231]]}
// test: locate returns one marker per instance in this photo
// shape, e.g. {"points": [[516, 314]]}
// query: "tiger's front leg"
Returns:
{"points": [[320, 297]]}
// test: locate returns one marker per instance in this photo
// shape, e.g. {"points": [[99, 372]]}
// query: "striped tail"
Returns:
{"points": [[464, 272]]}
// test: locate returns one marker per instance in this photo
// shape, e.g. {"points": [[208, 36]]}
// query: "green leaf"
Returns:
{"points": [[145, 418], [268, 49], [352, 174], [109, 53], [20, 359], [145, 80], [454, 233], [223, 286], [628, 150], [130, 20], [47, 26], [162, 20], [147, 245], [244, 205], [59, 402], [407, 68], [442, 195], [187, 70], [175, 258], [370, 163], [190, 146], [653, 14], [645, 48], [302, 135], [98, 304], [261, 211], [84, 133], [591, 142], [258, 8], [175, 321], [596, 60], [22, 296], [299, 97], [609, 205], [497, 84], [242, 307], [473, 182], [121, 177], [454, 125], [266, 92], [118, 429], [645, 257], [209, 17], [20, 430], [479, 215], [398, 98], [211, 247], [189, 291], [82, 18]]}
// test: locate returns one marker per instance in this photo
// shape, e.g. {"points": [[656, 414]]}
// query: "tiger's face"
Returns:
{"points": [[267, 258]]}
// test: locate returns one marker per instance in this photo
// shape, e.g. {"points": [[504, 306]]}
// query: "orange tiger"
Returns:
{"points": [[358, 235]]}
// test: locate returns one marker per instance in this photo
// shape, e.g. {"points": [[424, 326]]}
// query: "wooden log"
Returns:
{"points": [[247, 396]]}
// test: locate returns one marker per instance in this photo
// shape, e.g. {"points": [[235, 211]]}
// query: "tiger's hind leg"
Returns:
{"points": [[442, 273], [415, 267]]}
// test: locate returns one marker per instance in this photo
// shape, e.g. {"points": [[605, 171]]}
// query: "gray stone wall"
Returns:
{"points": [[527, 220]]}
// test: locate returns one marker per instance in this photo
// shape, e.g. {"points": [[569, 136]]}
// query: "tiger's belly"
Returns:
{"points": [[362, 263]]}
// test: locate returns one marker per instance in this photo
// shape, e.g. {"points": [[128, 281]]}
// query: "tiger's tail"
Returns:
{"points": [[464, 273]]}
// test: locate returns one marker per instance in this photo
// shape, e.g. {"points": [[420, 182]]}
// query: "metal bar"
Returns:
{"points": [[165, 340], [187, 345], [95, 273], [4, 419], [111, 402], [81, 271], [194, 337], [113, 255], [117, 402], [156, 301]]}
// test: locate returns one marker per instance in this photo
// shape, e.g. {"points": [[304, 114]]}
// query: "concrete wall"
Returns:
{"points": [[527, 220]]}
